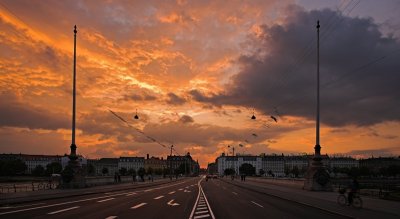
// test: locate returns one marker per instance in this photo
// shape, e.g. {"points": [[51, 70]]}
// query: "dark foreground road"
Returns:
{"points": [[191, 198]]}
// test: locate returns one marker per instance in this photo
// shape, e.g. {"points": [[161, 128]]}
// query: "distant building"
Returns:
{"points": [[376, 163], [174, 162], [130, 163], [234, 162], [155, 163], [274, 164], [300, 162], [32, 161], [343, 162], [111, 164]]}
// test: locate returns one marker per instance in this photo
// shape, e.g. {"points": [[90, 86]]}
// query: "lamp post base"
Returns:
{"points": [[73, 176], [317, 177]]}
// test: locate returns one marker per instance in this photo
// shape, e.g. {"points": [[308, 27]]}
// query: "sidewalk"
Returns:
{"points": [[21, 197], [372, 208]]}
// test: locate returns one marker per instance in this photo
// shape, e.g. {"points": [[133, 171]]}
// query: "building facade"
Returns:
{"points": [[155, 163], [128, 163], [234, 162], [274, 165]]}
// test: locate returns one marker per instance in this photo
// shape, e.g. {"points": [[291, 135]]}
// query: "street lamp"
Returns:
{"points": [[136, 115], [72, 155], [317, 178]]}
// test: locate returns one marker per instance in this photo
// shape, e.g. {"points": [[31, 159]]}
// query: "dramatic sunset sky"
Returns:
{"points": [[195, 71]]}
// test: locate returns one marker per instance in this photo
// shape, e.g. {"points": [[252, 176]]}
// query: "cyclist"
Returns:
{"points": [[354, 187]]}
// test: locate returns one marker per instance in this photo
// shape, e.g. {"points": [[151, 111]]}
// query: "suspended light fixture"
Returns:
{"points": [[136, 116], [253, 116]]}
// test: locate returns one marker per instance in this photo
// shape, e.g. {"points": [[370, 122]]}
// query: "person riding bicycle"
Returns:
{"points": [[354, 187]]}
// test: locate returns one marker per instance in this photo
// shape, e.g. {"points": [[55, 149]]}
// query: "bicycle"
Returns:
{"points": [[342, 199]]}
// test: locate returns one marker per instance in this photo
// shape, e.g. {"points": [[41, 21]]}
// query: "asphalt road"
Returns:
{"points": [[230, 201], [181, 199], [173, 200]]}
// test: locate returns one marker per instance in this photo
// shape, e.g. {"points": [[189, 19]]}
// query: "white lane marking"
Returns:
{"points": [[131, 193], [171, 192], [83, 200], [201, 197], [148, 190], [202, 208], [201, 216], [257, 204], [171, 203], [62, 203], [180, 189], [104, 200], [200, 212], [161, 196], [234, 193], [111, 217], [59, 211], [139, 205]]}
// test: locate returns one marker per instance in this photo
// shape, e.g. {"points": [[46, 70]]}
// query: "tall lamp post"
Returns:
{"points": [[72, 155], [317, 177], [76, 179]]}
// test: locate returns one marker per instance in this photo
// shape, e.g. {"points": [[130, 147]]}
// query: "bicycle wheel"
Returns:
{"points": [[342, 200], [357, 202]]}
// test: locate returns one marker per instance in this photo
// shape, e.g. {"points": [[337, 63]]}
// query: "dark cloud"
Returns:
{"points": [[186, 119], [17, 114], [175, 99], [359, 70]]}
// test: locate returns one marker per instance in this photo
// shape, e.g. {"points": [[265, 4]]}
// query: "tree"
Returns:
{"points": [[247, 169], [287, 170], [295, 171], [149, 171], [158, 171], [141, 173], [131, 172], [123, 171], [182, 168], [13, 167], [91, 170], [38, 171], [104, 171], [262, 172], [229, 171], [53, 167]]}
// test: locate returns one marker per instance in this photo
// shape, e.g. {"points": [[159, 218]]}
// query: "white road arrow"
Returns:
{"points": [[172, 204]]}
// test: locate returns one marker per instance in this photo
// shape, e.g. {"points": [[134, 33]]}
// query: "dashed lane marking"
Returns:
{"points": [[201, 216], [180, 189], [132, 193], [66, 209], [104, 200], [257, 204], [139, 205], [234, 193], [161, 196], [171, 192], [200, 212], [111, 217]]}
